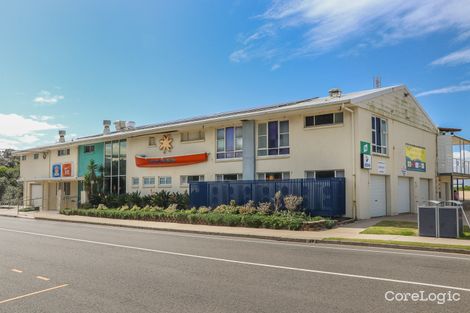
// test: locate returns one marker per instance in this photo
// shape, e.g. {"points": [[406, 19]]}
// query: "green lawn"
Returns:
{"points": [[400, 243], [401, 228]]}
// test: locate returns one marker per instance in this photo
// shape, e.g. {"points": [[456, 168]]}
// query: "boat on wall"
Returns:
{"points": [[143, 161]]}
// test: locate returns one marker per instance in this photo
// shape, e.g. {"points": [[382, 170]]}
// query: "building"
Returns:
{"points": [[381, 140]]}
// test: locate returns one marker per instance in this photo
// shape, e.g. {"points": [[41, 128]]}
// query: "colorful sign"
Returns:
{"points": [[67, 170], [415, 158], [56, 170], [365, 147]]}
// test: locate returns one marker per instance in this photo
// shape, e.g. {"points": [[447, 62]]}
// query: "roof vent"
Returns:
{"points": [[130, 125], [106, 125], [61, 135], [334, 93], [120, 125]]}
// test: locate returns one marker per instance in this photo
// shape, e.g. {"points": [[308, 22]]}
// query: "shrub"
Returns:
{"points": [[203, 210], [172, 208], [224, 208], [135, 208], [124, 208], [292, 202], [248, 208], [101, 207], [265, 208]]}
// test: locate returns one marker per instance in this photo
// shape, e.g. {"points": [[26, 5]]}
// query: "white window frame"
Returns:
{"points": [[63, 152], [235, 151], [148, 184], [279, 133], [165, 183], [133, 184], [262, 176], [152, 141], [184, 179], [381, 149], [338, 171], [36, 156], [201, 136], [335, 122], [221, 177], [88, 146]]}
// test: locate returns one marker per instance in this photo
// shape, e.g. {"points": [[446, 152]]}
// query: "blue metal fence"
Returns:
{"points": [[325, 196]]}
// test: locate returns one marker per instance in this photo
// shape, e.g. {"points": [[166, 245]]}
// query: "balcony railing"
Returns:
{"points": [[461, 166]]}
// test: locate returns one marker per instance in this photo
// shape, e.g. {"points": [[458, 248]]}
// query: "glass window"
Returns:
{"points": [[273, 176], [184, 180], [62, 152], [152, 141], [228, 177], [229, 142], [149, 181], [36, 156], [67, 189], [115, 167], [324, 119], [324, 174], [273, 138], [379, 135], [192, 136], [164, 180], [89, 148], [135, 181], [23, 158]]}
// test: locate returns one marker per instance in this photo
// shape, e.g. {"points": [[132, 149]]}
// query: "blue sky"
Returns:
{"points": [[71, 64]]}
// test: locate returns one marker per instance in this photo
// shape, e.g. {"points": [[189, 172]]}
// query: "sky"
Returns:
{"points": [[70, 64]]}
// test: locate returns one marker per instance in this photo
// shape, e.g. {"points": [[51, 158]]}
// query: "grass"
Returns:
{"points": [[401, 228], [400, 243]]}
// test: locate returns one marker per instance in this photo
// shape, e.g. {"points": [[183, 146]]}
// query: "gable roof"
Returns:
{"points": [[353, 98]]}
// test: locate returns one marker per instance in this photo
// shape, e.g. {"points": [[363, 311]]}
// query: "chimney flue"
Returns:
{"points": [[61, 135], [334, 93], [106, 126]]}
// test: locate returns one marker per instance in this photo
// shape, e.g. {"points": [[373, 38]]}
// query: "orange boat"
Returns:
{"points": [[143, 161]]}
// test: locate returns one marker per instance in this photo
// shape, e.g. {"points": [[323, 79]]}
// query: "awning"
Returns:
{"points": [[51, 180]]}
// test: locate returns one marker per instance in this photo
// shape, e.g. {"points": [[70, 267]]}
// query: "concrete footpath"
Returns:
{"points": [[345, 232]]}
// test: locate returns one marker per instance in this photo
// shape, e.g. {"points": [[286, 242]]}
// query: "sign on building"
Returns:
{"points": [[56, 170], [415, 158], [366, 158], [67, 170]]}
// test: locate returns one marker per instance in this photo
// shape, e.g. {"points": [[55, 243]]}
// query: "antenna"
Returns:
{"points": [[377, 81]]}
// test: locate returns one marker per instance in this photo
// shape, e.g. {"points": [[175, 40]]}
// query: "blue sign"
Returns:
{"points": [[56, 170]]}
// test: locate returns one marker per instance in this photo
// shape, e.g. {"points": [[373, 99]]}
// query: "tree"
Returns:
{"points": [[10, 189], [90, 177]]}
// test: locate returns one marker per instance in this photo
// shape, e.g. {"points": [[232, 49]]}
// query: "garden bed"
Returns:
{"points": [[204, 216]]}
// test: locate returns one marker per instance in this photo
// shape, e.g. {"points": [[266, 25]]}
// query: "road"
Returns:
{"points": [[63, 267]]}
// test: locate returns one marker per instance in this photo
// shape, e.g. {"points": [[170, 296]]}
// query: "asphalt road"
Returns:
{"points": [[63, 267]]}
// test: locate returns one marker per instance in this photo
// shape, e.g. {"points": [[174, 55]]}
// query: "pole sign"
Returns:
{"points": [[366, 158]]}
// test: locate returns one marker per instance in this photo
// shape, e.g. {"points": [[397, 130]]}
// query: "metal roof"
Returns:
{"points": [[353, 97]]}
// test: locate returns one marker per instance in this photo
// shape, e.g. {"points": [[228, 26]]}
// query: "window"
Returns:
{"points": [[136, 181], [324, 119], [229, 142], [324, 174], [274, 176], [149, 181], [379, 135], [184, 179], [62, 152], [115, 167], [66, 189], [152, 141], [273, 138], [23, 158], [228, 177], [192, 136], [89, 149], [36, 156], [164, 181]]}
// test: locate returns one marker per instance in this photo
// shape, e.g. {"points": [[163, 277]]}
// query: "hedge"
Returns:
{"points": [[256, 220]]}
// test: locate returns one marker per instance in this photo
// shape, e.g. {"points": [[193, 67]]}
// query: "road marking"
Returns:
{"points": [[42, 278], [442, 255], [33, 293], [202, 257], [16, 271]]}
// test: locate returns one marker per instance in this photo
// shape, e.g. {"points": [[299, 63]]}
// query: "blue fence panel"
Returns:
{"points": [[326, 196]]}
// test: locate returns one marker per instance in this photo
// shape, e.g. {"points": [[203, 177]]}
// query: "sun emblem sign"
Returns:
{"points": [[166, 143]]}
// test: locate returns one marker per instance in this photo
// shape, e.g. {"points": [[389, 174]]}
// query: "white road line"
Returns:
{"points": [[16, 271], [442, 255], [33, 293], [42, 278], [241, 262]]}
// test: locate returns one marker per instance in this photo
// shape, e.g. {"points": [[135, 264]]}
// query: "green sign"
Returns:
{"points": [[365, 148]]}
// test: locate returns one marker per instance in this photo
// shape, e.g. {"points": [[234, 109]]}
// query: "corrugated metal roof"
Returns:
{"points": [[276, 108]]}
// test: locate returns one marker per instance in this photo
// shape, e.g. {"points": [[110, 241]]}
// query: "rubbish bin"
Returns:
{"points": [[428, 219], [450, 219]]}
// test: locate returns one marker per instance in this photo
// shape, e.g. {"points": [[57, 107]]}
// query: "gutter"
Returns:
{"points": [[353, 148]]}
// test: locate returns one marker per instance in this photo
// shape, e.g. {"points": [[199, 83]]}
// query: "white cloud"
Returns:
{"points": [[42, 117], [326, 25], [454, 58], [45, 97], [464, 86], [456, 155], [19, 132]]}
